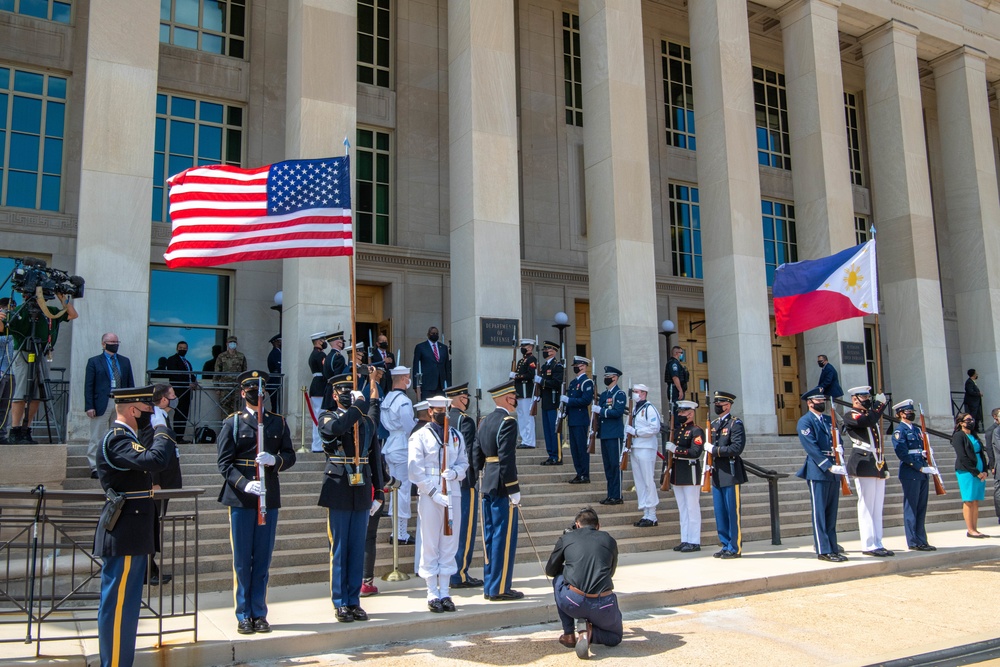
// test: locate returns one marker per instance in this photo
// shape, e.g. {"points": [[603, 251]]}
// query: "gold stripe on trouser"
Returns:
{"points": [[469, 529], [329, 536], [232, 545], [739, 522], [506, 546], [116, 644]]}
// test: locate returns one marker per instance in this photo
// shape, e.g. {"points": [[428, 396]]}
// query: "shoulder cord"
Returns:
{"points": [[104, 448]]}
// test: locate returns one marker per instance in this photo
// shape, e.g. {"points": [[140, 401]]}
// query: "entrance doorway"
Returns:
{"points": [[785, 365], [582, 314], [692, 336], [369, 320]]}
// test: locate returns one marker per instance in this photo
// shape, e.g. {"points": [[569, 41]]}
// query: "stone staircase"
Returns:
{"points": [[548, 506]]}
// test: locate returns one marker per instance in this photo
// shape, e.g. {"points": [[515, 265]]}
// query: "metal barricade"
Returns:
{"points": [[51, 580]]}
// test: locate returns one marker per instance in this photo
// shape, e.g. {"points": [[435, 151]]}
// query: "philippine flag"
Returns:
{"points": [[816, 292]]}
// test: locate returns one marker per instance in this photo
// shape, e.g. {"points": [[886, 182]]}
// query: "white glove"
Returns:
{"points": [[596, 409], [254, 488], [158, 418], [357, 395], [440, 499], [538, 379], [535, 399], [838, 470], [927, 470], [515, 498], [375, 505], [630, 430], [449, 474], [512, 375], [564, 399], [266, 459], [671, 447], [880, 397], [710, 448]]}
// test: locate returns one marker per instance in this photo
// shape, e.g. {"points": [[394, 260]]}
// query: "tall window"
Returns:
{"points": [[373, 42], [678, 95], [685, 230], [780, 245], [853, 138], [372, 180], [216, 26], [174, 316], [771, 107], [192, 132], [32, 120], [52, 10], [862, 229], [572, 64]]}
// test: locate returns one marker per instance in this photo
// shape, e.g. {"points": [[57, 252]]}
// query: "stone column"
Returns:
{"points": [[321, 111], [482, 129], [824, 201], [736, 307], [971, 199], [619, 206], [912, 320], [116, 186]]}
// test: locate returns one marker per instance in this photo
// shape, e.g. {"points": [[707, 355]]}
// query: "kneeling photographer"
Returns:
{"points": [[582, 564], [34, 326]]}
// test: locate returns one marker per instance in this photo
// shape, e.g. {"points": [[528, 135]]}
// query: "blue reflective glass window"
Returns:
{"points": [[57, 87], [28, 82], [170, 301], [3, 111], [36, 8], [161, 103], [158, 203], [186, 11], [52, 162], [164, 34], [55, 118], [6, 6], [210, 112], [178, 163], [61, 12], [182, 106], [24, 152], [27, 116], [158, 176], [186, 38], [213, 43], [210, 143], [182, 137], [165, 9], [4, 77], [160, 142], [21, 189], [3, 145], [50, 193]]}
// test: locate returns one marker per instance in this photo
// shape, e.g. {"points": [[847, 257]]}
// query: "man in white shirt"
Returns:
{"points": [[645, 430], [397, 418]]}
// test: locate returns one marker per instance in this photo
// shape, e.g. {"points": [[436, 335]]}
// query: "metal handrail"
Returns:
{"points": [[772, 477]]}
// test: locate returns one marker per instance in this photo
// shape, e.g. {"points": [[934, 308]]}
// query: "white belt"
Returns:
{"points": [[914, 451], [863, 446], [433, 472], [317, 375]]}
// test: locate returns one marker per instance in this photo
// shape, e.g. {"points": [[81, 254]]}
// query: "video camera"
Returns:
{"points": [[31, 273]]}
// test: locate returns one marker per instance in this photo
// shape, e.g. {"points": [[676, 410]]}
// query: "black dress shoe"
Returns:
{"points": [[584, 480], [841, 550], [93, 474], [523, 446], [576, 480], [688, 548], [435, 606], [718, 554], [408, 542], [261, 625], [925, 547], [608, 500], [614, 501], [344, 615], [470, 582], [447, 604], [645, 523], [886, 552], [727, 555], [548, 462], [245, 627], [160, 579], [680, 546], [357, 613], [829, 558], [878, 553], [509, 595]]}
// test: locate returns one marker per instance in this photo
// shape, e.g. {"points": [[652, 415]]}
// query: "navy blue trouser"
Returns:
{"points": [[727, 517], [118, 613], [825, 498], [549, 431], [603, 613], [346, 531], [915, 510], [578, 450], [252, 549], [466, 536], [500, 534], [611, 453]]}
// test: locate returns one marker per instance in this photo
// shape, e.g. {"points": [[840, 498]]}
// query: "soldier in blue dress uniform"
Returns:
{"points": [[820, 472], [125, 534], [334, 365], [579, 395], [349, 490], [466, 425], [728, 472], [914, 475], [238, 462], [551, 375], [610, 408], [493, 455]]}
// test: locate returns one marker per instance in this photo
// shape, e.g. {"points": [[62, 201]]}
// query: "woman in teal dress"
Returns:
{"points": [[970, 468]]}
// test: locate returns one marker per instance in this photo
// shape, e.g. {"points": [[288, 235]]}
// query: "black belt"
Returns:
{"points": [[589, 595]]}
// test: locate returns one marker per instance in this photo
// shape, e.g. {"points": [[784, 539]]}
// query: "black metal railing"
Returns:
{"points": [[772, 478], [50, 580]]}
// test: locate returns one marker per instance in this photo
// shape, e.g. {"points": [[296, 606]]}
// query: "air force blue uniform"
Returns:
{"points": [[612, 430], [580, 393], [815, 436], [908, 443]]}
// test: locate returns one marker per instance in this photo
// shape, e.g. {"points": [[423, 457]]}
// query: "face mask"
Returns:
{"points": [[383, 345], [635, 396], [719, 409], [909, 415], [577, 369], [112, 348], [867, 403], [820, 364], [143, 419], [969, 424], [344, 399], [183, 353], [172, 403], [681, 358], [323, 345], [439, 418], [524, 350], [819, 407], [252, 396], [231, 346], [433, 337], [608, 381]]}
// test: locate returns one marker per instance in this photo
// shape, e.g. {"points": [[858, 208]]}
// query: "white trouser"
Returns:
{"points": [[437, 550], [525, 422], [317, 405], [99, 427], [643, 466], [871, 497], [689, 506], [397, 468]]}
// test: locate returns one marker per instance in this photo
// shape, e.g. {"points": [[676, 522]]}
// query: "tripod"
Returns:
{"points": [[37, 384]]}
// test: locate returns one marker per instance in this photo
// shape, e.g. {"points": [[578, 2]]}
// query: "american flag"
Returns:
{"points": [[296, 208]]}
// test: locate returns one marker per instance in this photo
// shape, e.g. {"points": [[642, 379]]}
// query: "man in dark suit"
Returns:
{"points": [[829, 382], [431, 364], [182, 379], [108, 370], [274, 369]]}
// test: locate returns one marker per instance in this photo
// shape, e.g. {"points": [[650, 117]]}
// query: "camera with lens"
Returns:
{"points": [[31, 273], [364, 369]]}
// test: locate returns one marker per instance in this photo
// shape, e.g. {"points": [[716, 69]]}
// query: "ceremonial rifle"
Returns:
{"points": [[479, 397], [929, 455], [595, 420], [668, 459], [262, 498], [536, 393], [561, 411], [838, 455], [706, 478], [623, 465], [446, 440]]}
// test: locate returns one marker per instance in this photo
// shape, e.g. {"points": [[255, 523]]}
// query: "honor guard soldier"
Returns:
{"points": [[334, 365], [125, 533], [494, 456], [550, 378], [645, 432], [610, 408], [397, 418], [579, 395], [435, 459], [675, 375], [238, 463], [728, 441], [685, 475], [466, 425], [317, 386], [349, 489], [820, 472], [867, 466], [524, 384], [914, 475]]}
